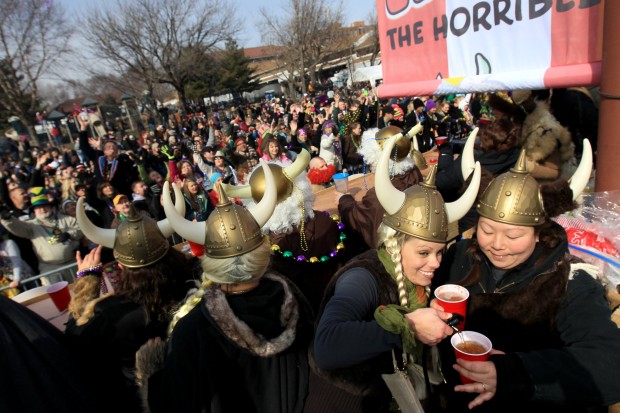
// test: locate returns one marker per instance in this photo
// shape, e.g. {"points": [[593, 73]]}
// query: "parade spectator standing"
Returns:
{"points": [[240, 340], [18, 203], [331, 146], [247, 152], [106, 330], [110, 166], [320, 173], [272, 149], [353, 162], [55, 236]]}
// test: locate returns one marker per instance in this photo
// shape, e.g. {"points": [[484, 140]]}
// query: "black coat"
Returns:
{"points": [[39, 373], [106, 346], [562, 350], [237, 353]]}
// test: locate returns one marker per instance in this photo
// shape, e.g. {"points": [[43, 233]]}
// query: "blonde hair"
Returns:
{"points": [[393, 241], [240, 269]]}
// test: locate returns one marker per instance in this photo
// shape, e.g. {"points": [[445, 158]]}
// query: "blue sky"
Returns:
{"points": [[248, 13]]}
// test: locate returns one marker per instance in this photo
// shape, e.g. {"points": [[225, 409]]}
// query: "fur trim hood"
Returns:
{"points": [[542, 134], [241, 334], [371, 152]]}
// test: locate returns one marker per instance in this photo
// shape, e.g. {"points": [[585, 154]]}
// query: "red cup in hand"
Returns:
{"points": [[471, 346], [453, 298]]}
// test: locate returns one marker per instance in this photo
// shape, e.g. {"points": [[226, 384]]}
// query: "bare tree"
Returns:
{"points": [[34, 36], [372, 21], [308, 29], [161, 40]]}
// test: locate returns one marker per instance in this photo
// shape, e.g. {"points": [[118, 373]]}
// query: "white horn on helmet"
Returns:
{"points": [[264, 209], [581, 177], [191, 231], [457, 209], [468, 163], [390, 198], [102, 236], [179, 205]]}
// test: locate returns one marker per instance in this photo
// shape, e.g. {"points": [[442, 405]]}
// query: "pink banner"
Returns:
{"points": [[459, 46]]}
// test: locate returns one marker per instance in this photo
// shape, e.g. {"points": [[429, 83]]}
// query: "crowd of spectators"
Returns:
{"points": [[198, 146]]}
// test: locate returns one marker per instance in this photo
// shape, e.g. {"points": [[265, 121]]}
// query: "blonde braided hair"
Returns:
{"points": [[243, 268], [190, 302], [393, 241]]}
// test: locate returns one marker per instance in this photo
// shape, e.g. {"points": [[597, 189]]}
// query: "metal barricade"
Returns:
{"points": [[67, 272]]}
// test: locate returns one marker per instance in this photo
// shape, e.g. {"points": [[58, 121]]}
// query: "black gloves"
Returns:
{"points": [[63, 237], [5, 213]]}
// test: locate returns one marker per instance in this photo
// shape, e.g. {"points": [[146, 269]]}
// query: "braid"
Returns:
{"points": [[190, 302], [393, 248]]}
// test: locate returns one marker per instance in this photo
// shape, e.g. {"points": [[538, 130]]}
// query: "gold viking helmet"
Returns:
{"points": [[514, 197], [231, 229], [420, 211], [138, 241], [284, 177], [402, 145]]}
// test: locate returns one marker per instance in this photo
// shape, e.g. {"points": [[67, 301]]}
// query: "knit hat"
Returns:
{"points": [[418, 103], [238, 141], [430, 104], [215, 177], [38, 196], [65, 204]]}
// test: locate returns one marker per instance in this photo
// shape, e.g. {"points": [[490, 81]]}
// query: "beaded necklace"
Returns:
{"points": [[302, 258]]}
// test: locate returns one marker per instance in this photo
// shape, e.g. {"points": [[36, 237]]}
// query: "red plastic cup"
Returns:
{"points": [[440, 140], [60, 295], [198, 250], [469, 352], [453, 299]]}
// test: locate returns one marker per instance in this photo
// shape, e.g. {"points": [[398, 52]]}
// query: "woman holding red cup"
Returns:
{"points": [[534, 301]]}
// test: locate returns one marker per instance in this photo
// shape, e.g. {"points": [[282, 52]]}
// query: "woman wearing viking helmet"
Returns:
{"points": [[239, 343], [308, 246], [107, 328], [536, 303], [376, 304]]}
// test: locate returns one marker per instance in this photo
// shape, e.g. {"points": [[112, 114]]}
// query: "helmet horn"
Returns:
{"points": [[264, 209], [580, 178], [191, 231], [179, 205], [391, 199], [468, 163], [457, 209], [97, 235]]}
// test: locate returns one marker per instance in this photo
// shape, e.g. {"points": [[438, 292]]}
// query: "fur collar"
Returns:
{"points": [[542, 134], [241, 334], [287, 215]]}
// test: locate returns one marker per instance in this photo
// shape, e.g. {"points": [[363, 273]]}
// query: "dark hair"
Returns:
{"points": [[550, 235], [159, 286], [100, 190]]}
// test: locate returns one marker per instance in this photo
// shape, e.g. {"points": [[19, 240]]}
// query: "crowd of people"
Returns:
{"points": [[286, 308]]}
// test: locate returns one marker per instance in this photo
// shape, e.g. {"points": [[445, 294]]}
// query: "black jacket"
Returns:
{"points": [[237, 353]]}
